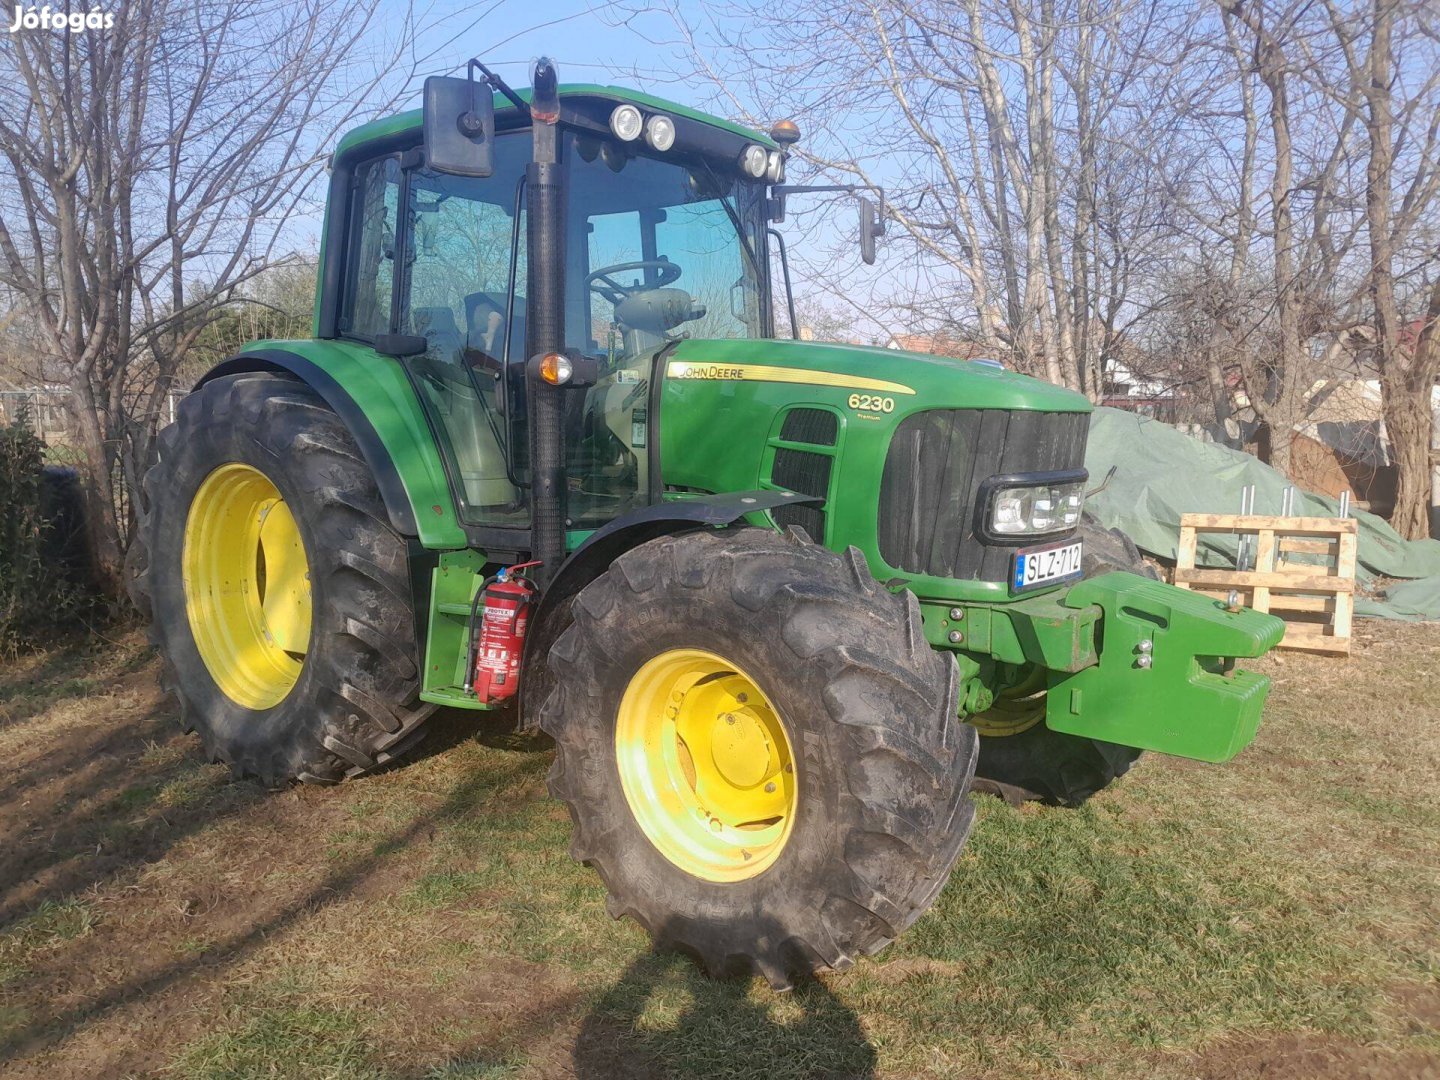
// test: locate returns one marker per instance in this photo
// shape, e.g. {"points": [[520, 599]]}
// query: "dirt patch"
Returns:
{"points": [[1309, 1057], [1417, 1007]]}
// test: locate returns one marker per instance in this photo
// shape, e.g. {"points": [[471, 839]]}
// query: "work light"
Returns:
{"points": [[1036, 509], [775, 168], [626, 123], [660, 133], [754, 161]]}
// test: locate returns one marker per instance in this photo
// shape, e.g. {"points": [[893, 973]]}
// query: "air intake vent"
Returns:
{"points": [[809, 474], [802, 471], [808, 519], [814, 426]]}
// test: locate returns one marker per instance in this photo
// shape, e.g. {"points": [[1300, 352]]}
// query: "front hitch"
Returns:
{"points": [[1165, 680]]}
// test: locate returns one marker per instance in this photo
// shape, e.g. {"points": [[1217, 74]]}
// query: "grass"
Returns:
{"points": [[1277, 913], [48, 927]]}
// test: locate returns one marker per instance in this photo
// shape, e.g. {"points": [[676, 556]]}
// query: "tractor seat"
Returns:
{"points": [[478, 308], [438, 327]]}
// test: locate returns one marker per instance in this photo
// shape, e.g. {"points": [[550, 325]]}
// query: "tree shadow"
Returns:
{"points": [[666, 1018], [104, 799], [233, 948]]}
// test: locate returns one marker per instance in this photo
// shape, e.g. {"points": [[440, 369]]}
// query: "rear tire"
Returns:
{"points": [[1052, 766], [354, 705], [882, 767]]}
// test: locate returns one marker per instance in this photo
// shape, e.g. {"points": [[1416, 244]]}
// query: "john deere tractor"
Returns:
{"points": [[782, 598]]}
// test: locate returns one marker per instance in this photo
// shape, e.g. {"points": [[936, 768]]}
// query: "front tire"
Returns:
{"points": [[759, 750], [277, 590]]}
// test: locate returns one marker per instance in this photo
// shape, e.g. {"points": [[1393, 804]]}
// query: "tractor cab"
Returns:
{"points": [[661, 238]]}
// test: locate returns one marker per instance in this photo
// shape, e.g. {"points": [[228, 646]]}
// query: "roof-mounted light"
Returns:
{"points": [[775, 167], [660, 133], [754, 161], [626, 122]]}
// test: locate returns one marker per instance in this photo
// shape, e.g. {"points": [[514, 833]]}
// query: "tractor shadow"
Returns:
{"points": [[448, 728], [666, 1018], [146, 980]]}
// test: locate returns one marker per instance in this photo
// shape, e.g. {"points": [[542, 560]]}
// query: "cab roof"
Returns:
{"points": [[406, 122]]}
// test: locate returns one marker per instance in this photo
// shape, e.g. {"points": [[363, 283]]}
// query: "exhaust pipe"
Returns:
{"points": [[545, 322]]}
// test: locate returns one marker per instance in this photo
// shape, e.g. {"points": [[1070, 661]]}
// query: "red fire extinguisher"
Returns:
{"points": [[502, 606]]}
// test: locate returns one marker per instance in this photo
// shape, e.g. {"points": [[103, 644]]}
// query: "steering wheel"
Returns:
{"points": [[600, 281]]}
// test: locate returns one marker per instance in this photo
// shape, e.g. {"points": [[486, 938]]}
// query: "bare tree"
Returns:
{"points": [[1015, 137], [150, 169], [1399, 108]]}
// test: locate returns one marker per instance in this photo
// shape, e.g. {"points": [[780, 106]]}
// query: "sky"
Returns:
{"points": [[586, 38]]}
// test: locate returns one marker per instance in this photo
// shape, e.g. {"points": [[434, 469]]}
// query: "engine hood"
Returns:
{"points": [[913, 379]]}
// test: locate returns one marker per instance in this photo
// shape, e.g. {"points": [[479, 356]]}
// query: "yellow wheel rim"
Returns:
{"points": [[706, 765], [1014, 710], [247, 586]]}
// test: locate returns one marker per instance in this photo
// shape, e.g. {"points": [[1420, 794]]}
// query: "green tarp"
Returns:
{"points": [[1161, 473]]}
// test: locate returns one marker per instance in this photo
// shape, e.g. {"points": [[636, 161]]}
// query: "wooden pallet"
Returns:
{"points": [[1316, 600]]}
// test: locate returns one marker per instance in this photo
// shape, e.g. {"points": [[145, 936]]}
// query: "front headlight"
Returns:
{"points": [[1023, 509]]}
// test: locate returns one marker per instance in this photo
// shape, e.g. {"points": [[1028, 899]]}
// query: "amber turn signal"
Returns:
{"points": [[556, 369]]}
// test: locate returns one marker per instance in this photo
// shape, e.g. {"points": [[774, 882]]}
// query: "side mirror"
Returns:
{"points": [[459, 126], [870, 227]]}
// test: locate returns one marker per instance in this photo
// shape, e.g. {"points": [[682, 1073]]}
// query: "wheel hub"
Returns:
{"points": [[706, 765], [247, 586]]}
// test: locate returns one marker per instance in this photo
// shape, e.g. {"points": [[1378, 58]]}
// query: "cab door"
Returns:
{"points": [[462, 240]]}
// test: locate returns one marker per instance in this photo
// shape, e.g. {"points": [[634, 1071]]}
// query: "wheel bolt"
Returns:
{"points": [[956, 637], [770, 788], [957, 613]]}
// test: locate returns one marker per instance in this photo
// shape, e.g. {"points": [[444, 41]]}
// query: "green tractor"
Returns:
{"points": [[777, 602]]}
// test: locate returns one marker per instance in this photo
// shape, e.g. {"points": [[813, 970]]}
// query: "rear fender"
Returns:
{"points": [[373, 395]]}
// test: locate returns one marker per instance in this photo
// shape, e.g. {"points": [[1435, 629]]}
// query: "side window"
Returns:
{"points": [[460, 262], [370, 268]]}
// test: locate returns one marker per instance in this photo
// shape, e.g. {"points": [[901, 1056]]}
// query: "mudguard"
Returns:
{"points": [[372, 394], [606, 544]]}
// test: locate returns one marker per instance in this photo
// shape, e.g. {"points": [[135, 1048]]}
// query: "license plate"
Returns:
{"points": [[1045, 566]]}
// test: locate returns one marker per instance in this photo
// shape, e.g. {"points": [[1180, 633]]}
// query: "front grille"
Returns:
{"points": [[936, 464]]}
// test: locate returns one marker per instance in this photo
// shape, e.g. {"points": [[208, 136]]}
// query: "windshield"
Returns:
{"points": [[660, 248]]}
